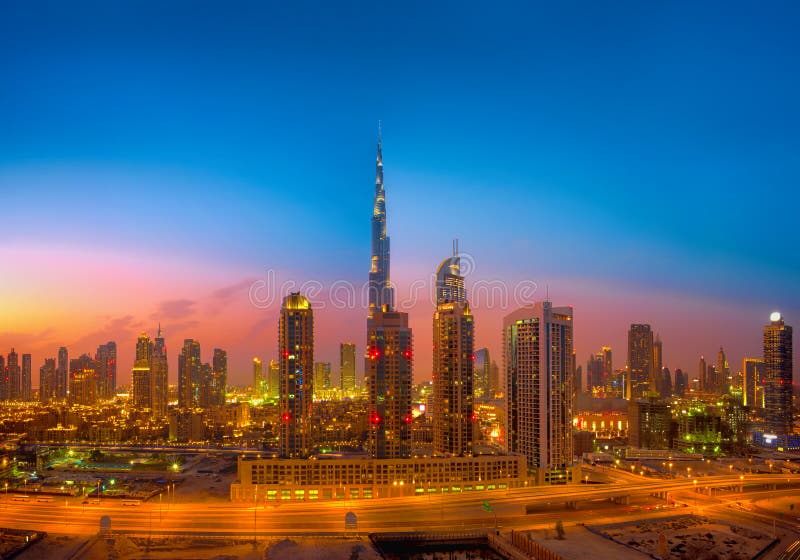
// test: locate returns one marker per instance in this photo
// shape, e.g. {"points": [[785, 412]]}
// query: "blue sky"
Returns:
{"points": [[599, 148]]}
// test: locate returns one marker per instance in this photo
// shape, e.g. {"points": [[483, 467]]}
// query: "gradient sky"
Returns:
{"points": [[157, 158]]}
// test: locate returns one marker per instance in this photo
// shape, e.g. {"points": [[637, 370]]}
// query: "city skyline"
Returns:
{"points": [[664, 180]]}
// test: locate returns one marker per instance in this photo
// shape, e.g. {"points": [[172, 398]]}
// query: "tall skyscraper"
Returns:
{"points": [[703, 383], [608, 364], [723, 371], [219, 378], [481, 370], [380, 289], [388, 377], [657, 371], [681, 382], [83, 381], [62, 373], [778, 372], [26, 389], [296, 350], [3, 380], [47, 381], [141, 377], [494, 378], [106, 358], [322, 379], [189, 374], [274, 379], [640, 361], [538, 349], [453, 357], [159, 373], [753, 372], [449, 282], [594, 371], [259, 380], [347, 367], [14, 373]]}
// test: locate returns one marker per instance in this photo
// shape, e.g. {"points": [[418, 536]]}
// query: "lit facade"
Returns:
{"points": [[453, 415], [778, 374], [296, 348], [388, 377], [381, 291], [141, 375], [327, 478], [189, 374], [640, 361], [159, 372], [753, 373], [538, 351], [347, 367]]}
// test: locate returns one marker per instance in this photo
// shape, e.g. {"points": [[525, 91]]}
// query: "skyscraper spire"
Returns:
{"points": [[380, 290]]}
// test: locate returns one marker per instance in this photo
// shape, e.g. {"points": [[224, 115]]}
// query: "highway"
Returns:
{"points": [[432, 512]]}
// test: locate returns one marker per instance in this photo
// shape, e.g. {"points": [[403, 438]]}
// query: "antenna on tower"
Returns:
{"points": [[380, 132]]}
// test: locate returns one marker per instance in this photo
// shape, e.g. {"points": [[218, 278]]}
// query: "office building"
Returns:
{"points": [[189, 374], [322, 379], [159, 374], [62, 373], [778, 373], [141, 378], [753, 373], [106, 358], [26, 388], [640, 361], [347, 368]]}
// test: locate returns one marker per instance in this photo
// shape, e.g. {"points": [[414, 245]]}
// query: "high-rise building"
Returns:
{"points": [[723, 371], [608, 365], [380, 288], [259, 380], [681, 382], [62, 373], [159, 374], [14, 373], [106, 358], [665, 387], [219, 378], [481, 372], [26, 389], [274, 379], [322, 379], [778, 373], [296, 350], [494, 378], [753, 373], [47, 381], [594, 371], [347, 367], [189, 374], [3, 380], [141, 377], [649, 424], [703, 383], [83, 381], [657, 370], [449, 282], [538, 351], [640, 361], [388, 377], [577, 386], [453, 359]]}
